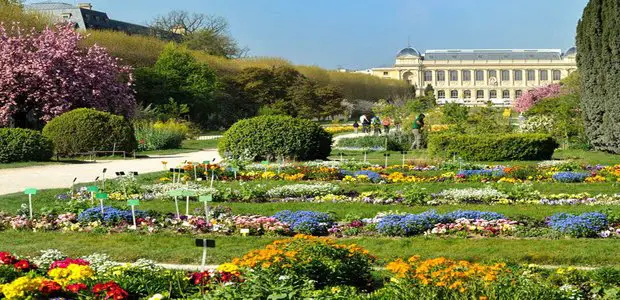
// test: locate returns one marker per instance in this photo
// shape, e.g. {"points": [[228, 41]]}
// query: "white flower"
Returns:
{"points": [[283, 277], [157, 297]]}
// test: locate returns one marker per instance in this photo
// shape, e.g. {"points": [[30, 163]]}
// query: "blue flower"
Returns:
{"points": [[485, 173], [569, 176], [111, 215], [473, 214], [410, 224], [372, 176], [306, 222], [584, 225]]}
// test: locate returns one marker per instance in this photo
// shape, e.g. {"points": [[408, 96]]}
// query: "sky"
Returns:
{"points": [[358, 34]]}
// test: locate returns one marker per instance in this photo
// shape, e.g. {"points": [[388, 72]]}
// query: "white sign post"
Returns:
{"points": [[133, 203], [30, 192]]}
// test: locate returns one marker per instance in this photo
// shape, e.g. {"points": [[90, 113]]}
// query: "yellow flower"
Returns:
{"points": [[72, 273], [21, 288], [228, 267]]}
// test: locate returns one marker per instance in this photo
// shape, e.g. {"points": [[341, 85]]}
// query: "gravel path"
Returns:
{"points": [[61, 176]]}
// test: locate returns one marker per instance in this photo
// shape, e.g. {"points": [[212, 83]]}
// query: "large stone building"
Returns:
{"points": [[475, 77], [86, 18]]}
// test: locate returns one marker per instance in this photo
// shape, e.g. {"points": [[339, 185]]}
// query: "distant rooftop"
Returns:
{"points": [[493, 54], [50, 5]]}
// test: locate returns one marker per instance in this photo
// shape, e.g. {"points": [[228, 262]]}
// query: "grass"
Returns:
{"points": [[170, 248], [186, 147]]}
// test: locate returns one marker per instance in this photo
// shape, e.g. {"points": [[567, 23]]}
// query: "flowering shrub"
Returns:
{"points": [[569, 177], [584, 225], [259, 225], [476, 227], [318, 259], [409, 224], [529, 98], [306, 222], [537, 124]]}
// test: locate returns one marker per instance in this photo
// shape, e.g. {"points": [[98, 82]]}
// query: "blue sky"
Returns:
{"points": [[359, 34]]}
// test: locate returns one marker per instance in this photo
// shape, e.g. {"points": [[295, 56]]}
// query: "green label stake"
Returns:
{"points": [[30, 192]]}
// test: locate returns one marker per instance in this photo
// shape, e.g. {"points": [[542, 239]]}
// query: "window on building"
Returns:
{"points": [[518, 76], [454, 75], [441, 76], [531, 75], [479, 94], [518, 93], [557, 75], [543, 74], [479, 75], [505, 75], [454, 94], [492, 73], [428, 76], [466, 76], [493, 94], [441, 94], [466, 94], [385, 73], [506, 94]]}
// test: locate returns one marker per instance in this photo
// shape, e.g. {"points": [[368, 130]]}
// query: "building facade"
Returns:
{"points": [[86, 18], [475, 77]]}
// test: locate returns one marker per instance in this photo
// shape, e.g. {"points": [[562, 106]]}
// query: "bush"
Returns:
{"points": [[497, 147], [160, 135], [18, 144], [585, 225], [83, 130], [274, 137]]}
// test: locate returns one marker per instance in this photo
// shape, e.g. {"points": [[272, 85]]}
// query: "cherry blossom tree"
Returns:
{"points": [[528, 99], [44, 74]]}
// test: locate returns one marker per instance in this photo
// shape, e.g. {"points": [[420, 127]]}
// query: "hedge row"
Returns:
{"points": [[497, 147], [390, 142], [17, 144]]}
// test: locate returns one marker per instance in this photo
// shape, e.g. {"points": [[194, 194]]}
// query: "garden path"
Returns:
{"points": [[60, 176]]}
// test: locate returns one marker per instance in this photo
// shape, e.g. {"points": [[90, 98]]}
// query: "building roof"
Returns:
{"points": [[571, 51], [50, 6], [408, 52], [493, 54]]}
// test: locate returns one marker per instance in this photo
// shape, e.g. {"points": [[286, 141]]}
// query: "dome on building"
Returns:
{"points": [[408, 52], [571, 51]]}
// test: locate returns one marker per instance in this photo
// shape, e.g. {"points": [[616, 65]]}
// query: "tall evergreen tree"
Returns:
{"points": [[598, 59]]}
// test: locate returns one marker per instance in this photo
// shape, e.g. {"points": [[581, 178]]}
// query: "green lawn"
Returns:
{"points": [[169, 248]]}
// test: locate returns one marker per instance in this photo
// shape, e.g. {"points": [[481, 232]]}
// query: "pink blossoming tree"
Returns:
{"points": [[44, 74], [528, 99]]}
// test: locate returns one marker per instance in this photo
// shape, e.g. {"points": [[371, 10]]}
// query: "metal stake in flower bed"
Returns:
{"points": [[205, 199], [30, 192], [386, 155], [133, 203], [187, 194], [104, 170], [204, 243], [92, 189], [404, 153], [101, 197], [341, 154], [73, 187], [176, 194]]}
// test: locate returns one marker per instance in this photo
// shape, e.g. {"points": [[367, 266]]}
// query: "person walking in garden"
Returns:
{"points": [[376, 124], [355, 126], [418, 123], [364, 121], [386, 122]]}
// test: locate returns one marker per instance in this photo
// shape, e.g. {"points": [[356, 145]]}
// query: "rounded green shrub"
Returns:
{"points": [[84, 130], [493, 147], [274, 137], [17, 144]]}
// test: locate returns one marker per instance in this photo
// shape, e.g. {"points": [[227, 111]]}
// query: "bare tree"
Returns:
{"points": [[201, 32]]}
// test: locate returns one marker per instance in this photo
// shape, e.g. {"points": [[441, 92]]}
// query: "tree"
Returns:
{"points": [[529, 98], [179, 76], [429, 90], [43, 75], [598, 60], [201, 32]]}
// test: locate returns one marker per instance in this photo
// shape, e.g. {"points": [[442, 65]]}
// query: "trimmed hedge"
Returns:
{"points": [[84, 130], [272, 137], [494, 147], [17, 144]]}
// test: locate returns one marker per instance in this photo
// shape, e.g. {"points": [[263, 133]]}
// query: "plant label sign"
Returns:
{"points": [[92, 189], [206, 198], [133, 202], [204, 243], [244, 231], [101, 197], [176, 194], [30, 192]]}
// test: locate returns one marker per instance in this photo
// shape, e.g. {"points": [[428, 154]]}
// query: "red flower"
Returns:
{"points": [[23, 265], [98, 288], [67, 261], [200, 278], [49, 287], [6, 258], [76, 287]]}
